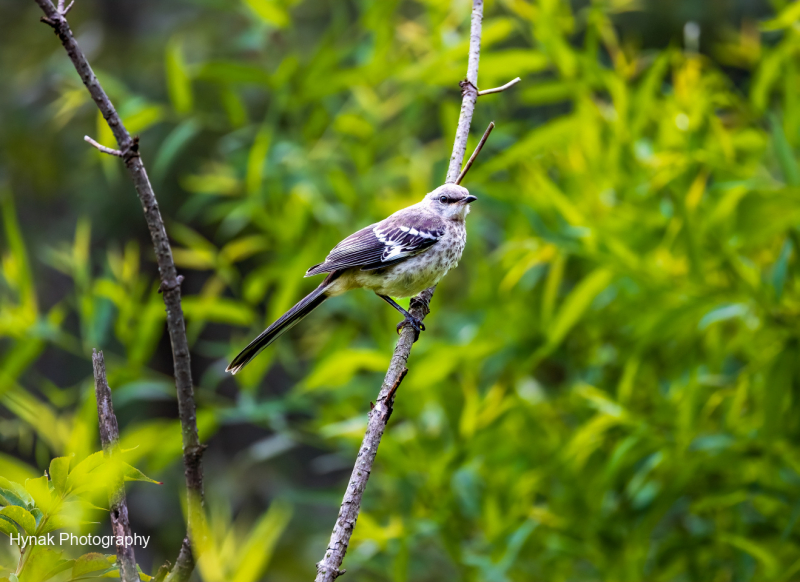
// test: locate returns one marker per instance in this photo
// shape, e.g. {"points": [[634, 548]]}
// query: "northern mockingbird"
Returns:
{"points": [[400, 256]]}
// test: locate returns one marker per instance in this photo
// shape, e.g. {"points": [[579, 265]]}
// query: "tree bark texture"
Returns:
{"points": [[109, 437]]}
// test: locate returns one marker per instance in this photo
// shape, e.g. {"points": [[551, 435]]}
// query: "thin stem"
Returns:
{"points": [[508, 85], [469, 93], [475, 153], [102, 148], [329, 568], [109, 437], [170, 282]]}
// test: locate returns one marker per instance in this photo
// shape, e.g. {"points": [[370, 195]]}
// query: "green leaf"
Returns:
{"points": [[144, 118], [37, 515], [780, 268], [42, 563], [39, 490], [179, 85], [256, 160], [62, 520], [133, 474], [10, 528], [575, 305], [59, 470], [254, 557], [232, 72], [755, 549], [269, 11], [21, 516], [93, 564], [172, 145], [779, 384], [340, 367], [9, 497], [78, 475], [785, 19], [58, 567], [784, 153], [15, 494]]}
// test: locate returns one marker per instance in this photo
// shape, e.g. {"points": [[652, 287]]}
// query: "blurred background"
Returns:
{"points": [[609, 387]]}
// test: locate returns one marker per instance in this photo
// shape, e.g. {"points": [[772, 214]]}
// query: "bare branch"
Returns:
{"points": [[329, 568], [102, 148], [469, 92], [192, 449], [499, 89], [475, 153], [109, 437]]}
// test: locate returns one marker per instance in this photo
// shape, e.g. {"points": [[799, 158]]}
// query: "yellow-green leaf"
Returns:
{"points": [[59, 471], [92, 563], [576, 304], [257, 551], [179, 85], [269, 11], [133, 474], [39, 490], [21, 516]]}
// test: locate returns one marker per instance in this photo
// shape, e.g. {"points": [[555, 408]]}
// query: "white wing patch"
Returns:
{"points": [[402, 241]]}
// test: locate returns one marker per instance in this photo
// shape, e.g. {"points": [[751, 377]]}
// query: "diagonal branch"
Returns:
{"points": [[109, 437], [328, 569], [170, 281], [474, 155]]}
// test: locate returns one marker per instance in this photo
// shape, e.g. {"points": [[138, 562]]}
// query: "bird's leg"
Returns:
{"points": [[409, 319]]}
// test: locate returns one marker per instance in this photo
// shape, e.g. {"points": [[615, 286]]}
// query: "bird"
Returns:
{"points": [[400, 256]]}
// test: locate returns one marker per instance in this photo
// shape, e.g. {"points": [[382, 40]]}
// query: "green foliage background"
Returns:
{"points": [[609, 387]]}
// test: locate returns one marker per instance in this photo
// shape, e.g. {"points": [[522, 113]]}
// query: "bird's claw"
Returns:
{"points": [[414, 323]]}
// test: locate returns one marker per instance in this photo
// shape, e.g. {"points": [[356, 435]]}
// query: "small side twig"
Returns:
{"points": [[329, 568], [475, 153], [508, 85], [109, 437], [102, 148]]}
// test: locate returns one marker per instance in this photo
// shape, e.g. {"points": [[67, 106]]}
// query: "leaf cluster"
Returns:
{"points": [[57, 500]]}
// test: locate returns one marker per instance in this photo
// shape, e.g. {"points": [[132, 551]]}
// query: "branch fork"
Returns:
{"points": [[130, 151], [328, 569], [467, 87]]}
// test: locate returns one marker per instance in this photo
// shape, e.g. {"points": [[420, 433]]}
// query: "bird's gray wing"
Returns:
{"points": [[385, 243]]}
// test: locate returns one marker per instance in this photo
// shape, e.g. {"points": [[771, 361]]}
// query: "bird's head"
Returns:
{"points": [[450, 201]]}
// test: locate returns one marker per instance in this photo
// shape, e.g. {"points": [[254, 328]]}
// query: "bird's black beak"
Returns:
{"points": [[469, 199]]}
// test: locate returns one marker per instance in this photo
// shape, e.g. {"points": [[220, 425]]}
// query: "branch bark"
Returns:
{"points": [[170, 280], [109, 437], [329, 568]]}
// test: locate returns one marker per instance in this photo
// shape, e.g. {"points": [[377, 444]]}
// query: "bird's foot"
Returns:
{"points": [[414, 323]]}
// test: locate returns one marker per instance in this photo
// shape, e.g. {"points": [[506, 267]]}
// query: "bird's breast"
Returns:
{"points": [[417, 273]]}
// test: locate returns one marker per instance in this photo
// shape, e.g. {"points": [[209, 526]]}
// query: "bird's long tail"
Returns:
{"points": [[286, 321]]}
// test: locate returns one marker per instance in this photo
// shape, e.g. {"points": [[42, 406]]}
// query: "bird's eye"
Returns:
{"points": [[443, 199]]}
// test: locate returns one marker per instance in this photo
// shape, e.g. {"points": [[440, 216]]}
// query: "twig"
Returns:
{"points": [[508, 85], [475, 153], [192, 449], [102, 148], [109, 437], [329, 568], [469, 92]]}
